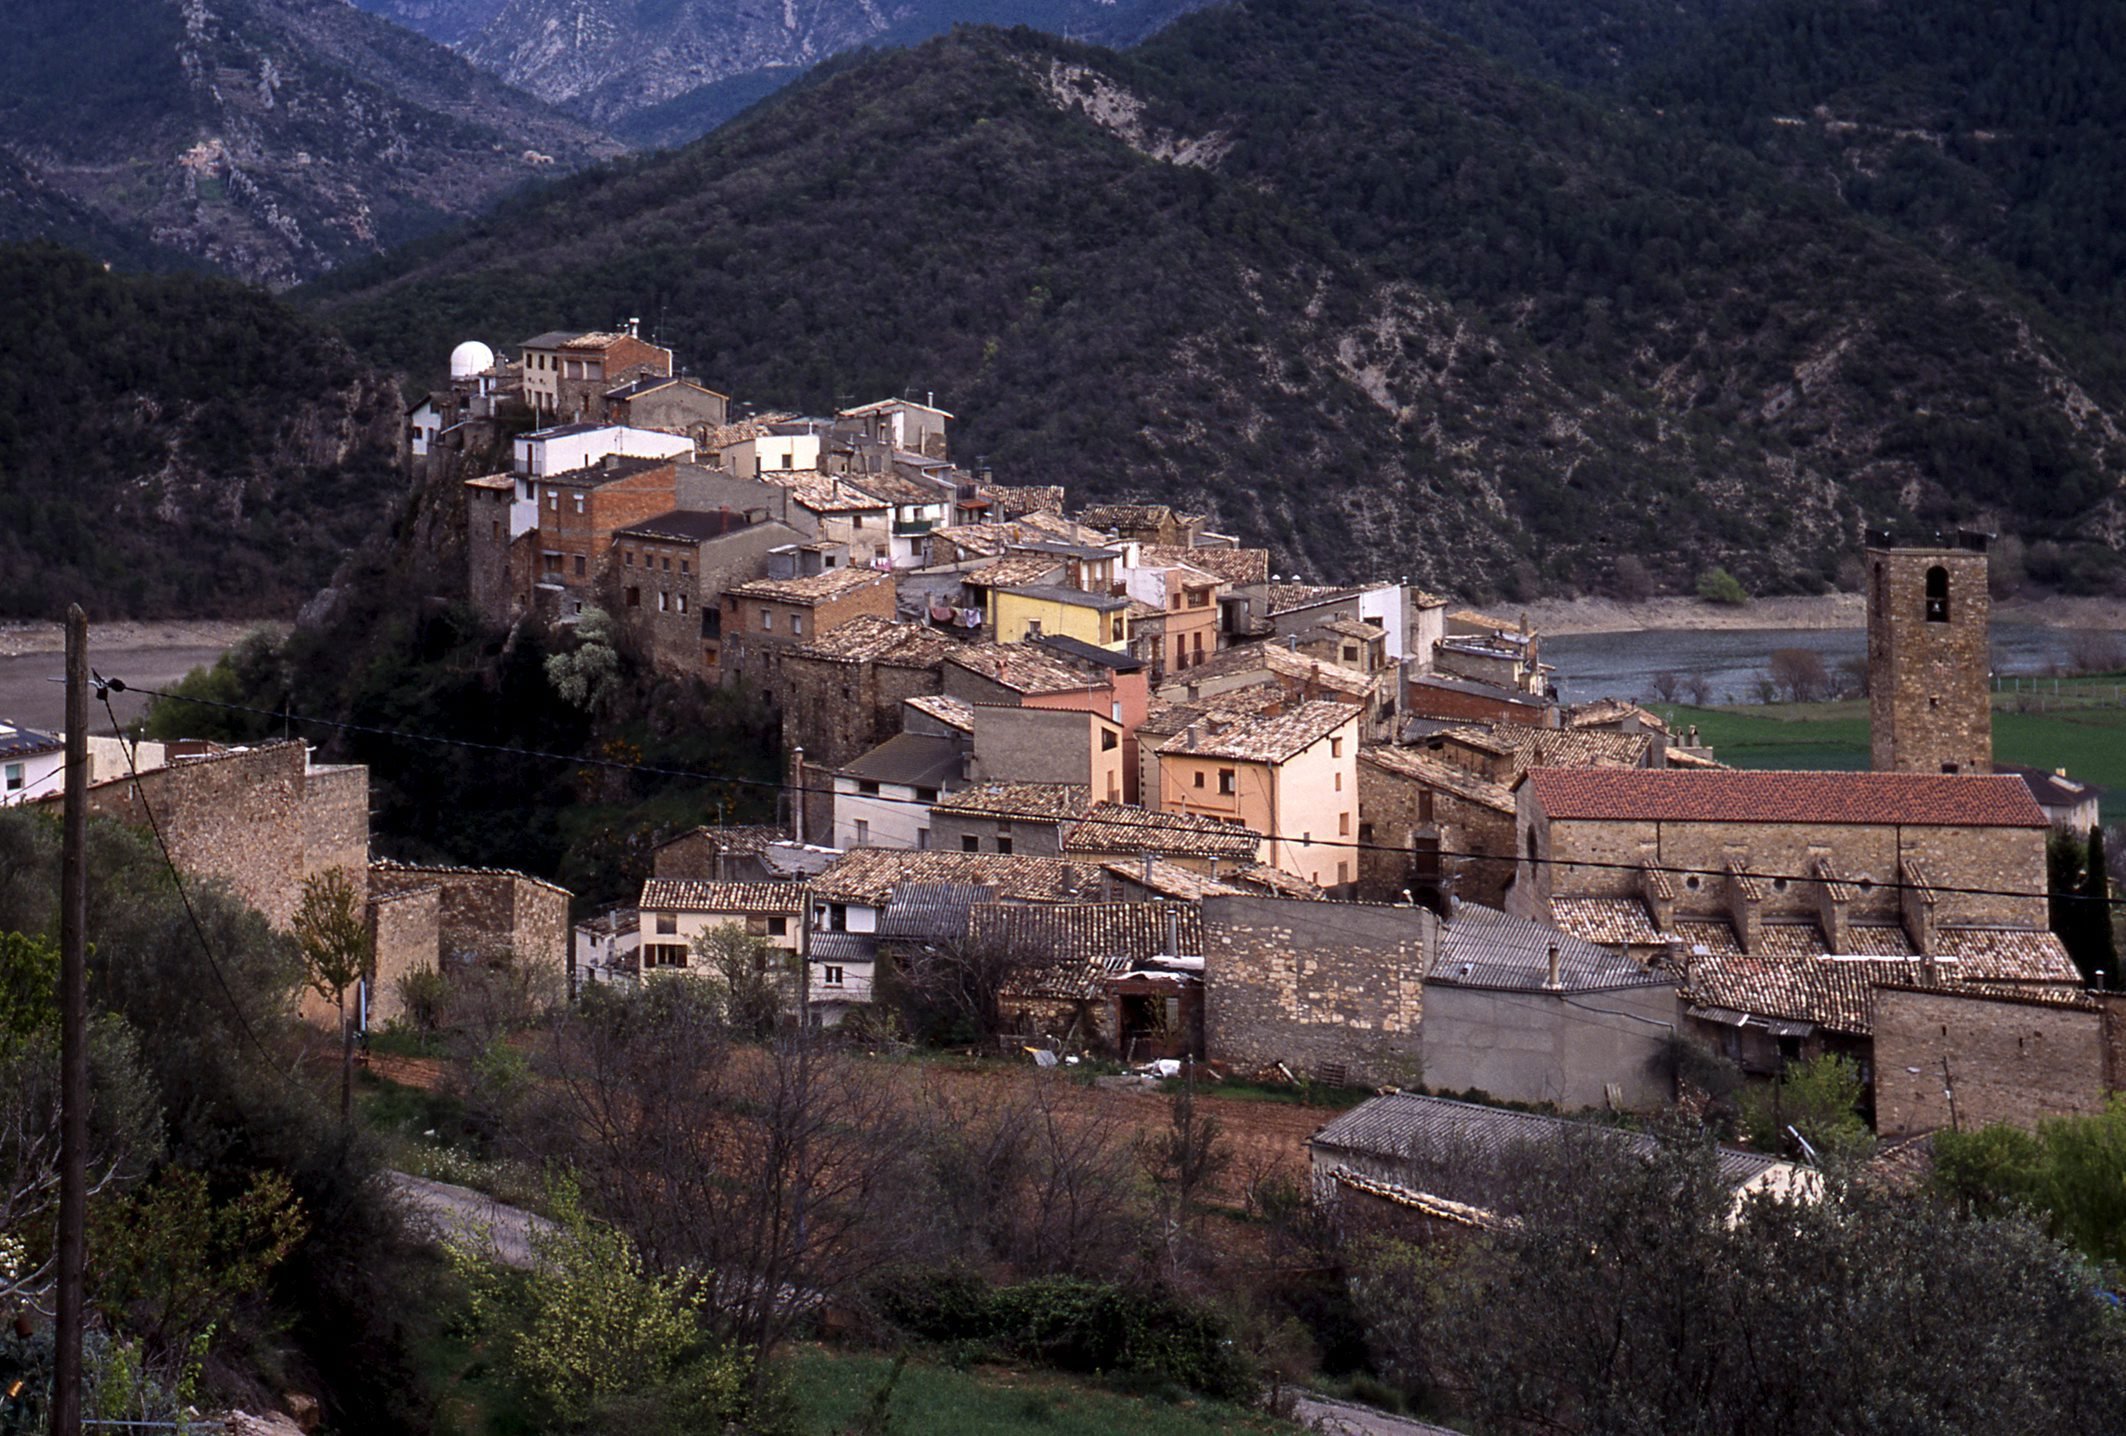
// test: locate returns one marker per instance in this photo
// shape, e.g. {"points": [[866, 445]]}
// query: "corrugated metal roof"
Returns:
{"points": [[931, 912], [1483, 947]]}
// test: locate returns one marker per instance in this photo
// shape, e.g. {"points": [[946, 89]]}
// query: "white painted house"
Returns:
{"points": [[576, 446], [32, 764]]}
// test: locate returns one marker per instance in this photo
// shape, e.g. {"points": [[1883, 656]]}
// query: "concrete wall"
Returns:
{"points": [[1327, 989], [2006, 1060], [1538, 1047]]}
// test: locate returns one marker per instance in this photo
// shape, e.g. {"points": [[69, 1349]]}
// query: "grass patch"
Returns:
{"points": [[830, 1388], [2090, 743]]}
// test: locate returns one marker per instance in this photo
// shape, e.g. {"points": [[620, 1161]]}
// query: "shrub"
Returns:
{"points": [[1717, 585]]}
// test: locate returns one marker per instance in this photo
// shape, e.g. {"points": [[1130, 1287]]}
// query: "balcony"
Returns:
{"points": [[912, 528]]}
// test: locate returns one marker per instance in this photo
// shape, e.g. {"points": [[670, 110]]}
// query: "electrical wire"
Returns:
{"points": [[1150, 822]]}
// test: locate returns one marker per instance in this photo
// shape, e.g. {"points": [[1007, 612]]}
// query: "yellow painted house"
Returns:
{"points": [[1051, 611]]}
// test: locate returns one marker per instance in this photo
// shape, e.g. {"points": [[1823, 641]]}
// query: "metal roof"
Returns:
{"points": [[931, 912], [914, 760], [1483, 947]]}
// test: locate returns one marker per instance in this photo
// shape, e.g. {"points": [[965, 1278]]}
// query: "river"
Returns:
{"points": [[1623, 665]]}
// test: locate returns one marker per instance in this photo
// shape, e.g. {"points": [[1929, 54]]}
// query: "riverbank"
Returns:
{"points": [[1557, 617], [145, 655]]}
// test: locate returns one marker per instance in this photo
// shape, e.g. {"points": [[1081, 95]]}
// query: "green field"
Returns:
{"points": [[831, 1388], [2088, 741]]}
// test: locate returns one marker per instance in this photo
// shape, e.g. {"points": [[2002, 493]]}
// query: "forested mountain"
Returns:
{"points": [[173, 446], [270, 139], [698, 62], [1365, 294]]}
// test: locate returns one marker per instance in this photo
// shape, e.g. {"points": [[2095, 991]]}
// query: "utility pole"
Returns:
{"points": [[73, 1034]]}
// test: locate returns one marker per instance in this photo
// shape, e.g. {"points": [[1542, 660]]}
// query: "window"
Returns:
{"points": [[922, 839], [1336, 747], [837, 917], [1343, 825], [681, 600], [1199, 598], [1199, 777], [667, 924], [831, 976], [1339, 782], [767, 620], [627, 557], [667, 563], [1004, 846], [926, 795], [867, 786], [1424, 805], [1937, 594], [582, 565], [664, 601], [633, 597], [1109, 740], [1228, 780], [856, 521], [1350, 653], [863, 833], [664, 954], [553, 500], [683, 567], [969, 843], [495, 530], [797, 624], [579, 503], [1033, 628], [16, 782]]}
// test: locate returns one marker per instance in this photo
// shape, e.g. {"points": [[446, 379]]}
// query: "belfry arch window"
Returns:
{"points": [[1937, 594]]}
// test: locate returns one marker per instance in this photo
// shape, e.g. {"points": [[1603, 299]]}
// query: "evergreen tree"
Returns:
{"points": [[2100, 949]]}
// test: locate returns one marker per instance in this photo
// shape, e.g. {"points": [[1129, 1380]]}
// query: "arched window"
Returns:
{"points": [[1937, 594]]}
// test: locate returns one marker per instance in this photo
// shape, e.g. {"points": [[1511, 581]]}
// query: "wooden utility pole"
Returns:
{"points": [[73, 1035]]}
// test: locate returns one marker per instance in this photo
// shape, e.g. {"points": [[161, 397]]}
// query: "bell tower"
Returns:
{"points": [[1929, 658]]}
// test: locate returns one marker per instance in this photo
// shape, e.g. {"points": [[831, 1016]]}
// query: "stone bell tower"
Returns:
{"points": [[1929, 657]]}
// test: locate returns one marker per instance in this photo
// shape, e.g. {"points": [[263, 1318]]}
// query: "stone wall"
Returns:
{"points": [[486, 914], [837, 710], [1929, 659], [405, 932], [491, 583], [1332, 990], [2007, 1059], [1393, 810], [259, 819]]}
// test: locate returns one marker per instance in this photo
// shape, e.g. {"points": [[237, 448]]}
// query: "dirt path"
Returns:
{"points": [[452, 1213]]}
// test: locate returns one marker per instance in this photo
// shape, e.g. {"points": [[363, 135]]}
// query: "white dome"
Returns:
{"points": [[470, 358]]}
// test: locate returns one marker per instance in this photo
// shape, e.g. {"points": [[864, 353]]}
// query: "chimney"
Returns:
{"points": [[797, 792], [1173, 931], [1147, 869], [1552, 982], [1189, 737]]}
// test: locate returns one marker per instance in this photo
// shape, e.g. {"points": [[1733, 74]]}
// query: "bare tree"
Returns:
{"points": [[959, 986], [1700, 689], [332, 934], [1180, 1161], [1667, 684], [1799, 674]]}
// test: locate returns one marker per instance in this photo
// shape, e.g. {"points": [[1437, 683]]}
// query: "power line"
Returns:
{"points": [[1150, 822]]}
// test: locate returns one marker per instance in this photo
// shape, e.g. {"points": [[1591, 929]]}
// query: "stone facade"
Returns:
{"points": [[260, 819], [1929, 661], [1419, 817], [405, 934], [2004, 1058], [1333, 991], [838, 709]]}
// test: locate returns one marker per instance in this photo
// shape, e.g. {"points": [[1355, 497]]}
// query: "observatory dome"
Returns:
{"points": [[470, 358]]}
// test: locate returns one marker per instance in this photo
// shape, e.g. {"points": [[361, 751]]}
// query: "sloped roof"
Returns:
{"points": [[1124, 828], [1617, 921], [1050, 802], [1467, 1153], [1171, 880], [686, 525], [735, 838], [873, 638], [1770, 796], [916, 760], [1483, 947], [693, 895], [1613, 710], [27, 742], [1533, 747], [811, 589], [870, 875], [1277, 660], [1081, 932], [1021, 667], [1437, 773], [949, 711], [1237, 566], [1267, 740], [1013, 569], [931, 912]]}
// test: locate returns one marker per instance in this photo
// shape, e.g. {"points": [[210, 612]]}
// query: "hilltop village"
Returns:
{"points": [[1176, 804]]}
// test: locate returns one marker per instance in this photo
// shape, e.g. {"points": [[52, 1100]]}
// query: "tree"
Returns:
{"points": [[1818, 1099], [587, 676], [1180, 1161], [752, 979], [1667, 684], [1800, 673], [2100, 949], [332, 935]]}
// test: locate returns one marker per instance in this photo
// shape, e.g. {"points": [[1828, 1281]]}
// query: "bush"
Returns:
{"points": [[1717, 585], [1819, 1099]]}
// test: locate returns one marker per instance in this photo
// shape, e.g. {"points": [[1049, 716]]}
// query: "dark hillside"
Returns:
{"points": [[1364, 293], [177, 446]]}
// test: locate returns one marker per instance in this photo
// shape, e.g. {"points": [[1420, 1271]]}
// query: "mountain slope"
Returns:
{"points": [[177, 446], [1360, 293], [268, 138]]}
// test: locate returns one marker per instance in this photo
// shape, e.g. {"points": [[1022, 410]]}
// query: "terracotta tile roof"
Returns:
{"points": [[1135, 515], [1163, 717], [870, 875], [1014, 569], [1121, 828], [1471, 618], [1352, 628], [898, 488], [1438, 774], [1050, 802], [871, 638], [822, 494], [736, 838], [2007, 954], [1275, 881], [1767, 796], [1277, 660], [692, 895], [500, 482], [1612, 922], [1603, 711], [972, 538], [1836, 993], [1019, 500], [1286, 597], [949, 711], [1266, 740], [1171, 879], [1054, 526], [1237, 566], [1021, 667], [812, 589]]}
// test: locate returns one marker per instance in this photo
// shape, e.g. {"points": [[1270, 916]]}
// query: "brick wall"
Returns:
{"points": [[1315, 986], [2008, 1059], [405, 932]]}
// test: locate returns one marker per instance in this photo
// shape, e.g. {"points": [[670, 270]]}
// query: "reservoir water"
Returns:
{"points": [[1623, 665]]}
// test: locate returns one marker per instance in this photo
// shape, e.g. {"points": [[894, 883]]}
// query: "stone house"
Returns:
{"points": [[1333, 991], [1430, 826], [489, 915], [1526, 1013], [902, 425], [501, 545], [1439, 697], [1120, 977], [579, 512], [727, 854], [662, 401], [843, 692], [660, 592], [1153, 525], [766, 618], [1003, 817], [1027, 744], [1297, 675], [1292, 778]]}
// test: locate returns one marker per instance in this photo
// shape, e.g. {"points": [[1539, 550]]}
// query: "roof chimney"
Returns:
{"points": [[1173, 931], [1147, 869], [1551, 983]]}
